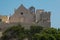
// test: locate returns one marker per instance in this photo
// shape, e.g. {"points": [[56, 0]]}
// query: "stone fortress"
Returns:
{"points": [[26, 17]]}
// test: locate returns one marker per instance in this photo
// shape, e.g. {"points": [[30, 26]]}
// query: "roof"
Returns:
{"points": [[21, 6]]}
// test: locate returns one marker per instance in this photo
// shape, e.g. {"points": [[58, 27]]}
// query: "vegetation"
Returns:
{"points": [[34, 33]]}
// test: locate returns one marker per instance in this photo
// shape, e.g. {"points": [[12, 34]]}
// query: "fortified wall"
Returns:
{"points": [[26, 17]]}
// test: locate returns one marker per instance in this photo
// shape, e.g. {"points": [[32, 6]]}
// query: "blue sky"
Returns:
{"points": [[7, 7]]}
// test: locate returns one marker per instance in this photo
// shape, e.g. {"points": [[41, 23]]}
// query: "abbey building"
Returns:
{"points": [[28, 16]]}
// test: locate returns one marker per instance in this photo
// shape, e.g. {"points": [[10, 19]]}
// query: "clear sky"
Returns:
{"points": [[7, 7]]}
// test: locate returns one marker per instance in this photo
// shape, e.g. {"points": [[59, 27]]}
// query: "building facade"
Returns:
{"points": [[29, 16]]}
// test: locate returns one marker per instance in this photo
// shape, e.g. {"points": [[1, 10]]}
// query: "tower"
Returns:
{"points": [[32, 9], [38, 14], [44, 19]]}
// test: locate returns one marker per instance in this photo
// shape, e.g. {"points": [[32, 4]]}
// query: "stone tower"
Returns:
{"points": [[43, 18], [32, 10]]}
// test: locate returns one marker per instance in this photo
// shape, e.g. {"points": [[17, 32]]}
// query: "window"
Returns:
{"points": [[21, 13]]}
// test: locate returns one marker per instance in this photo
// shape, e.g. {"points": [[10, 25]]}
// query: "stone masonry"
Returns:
{"points": [[27, 17]]}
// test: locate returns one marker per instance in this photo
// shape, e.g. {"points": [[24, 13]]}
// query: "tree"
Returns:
{"points": [[59, 31], [43, 36], [35, 29], [15, 32], [50, 31], [34, 33], [57, 36]]}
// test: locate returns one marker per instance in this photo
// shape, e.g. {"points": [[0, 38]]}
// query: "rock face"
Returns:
{"points": [[27, 17]]}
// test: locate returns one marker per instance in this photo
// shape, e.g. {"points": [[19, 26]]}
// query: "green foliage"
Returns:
{"points": [[58, 31], [13, 32], [44, 36], [35, 33], [50, 31], [35, 29], [57, 36]]}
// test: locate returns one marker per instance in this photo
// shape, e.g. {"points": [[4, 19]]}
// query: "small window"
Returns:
{"points": [[21, 13]]}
